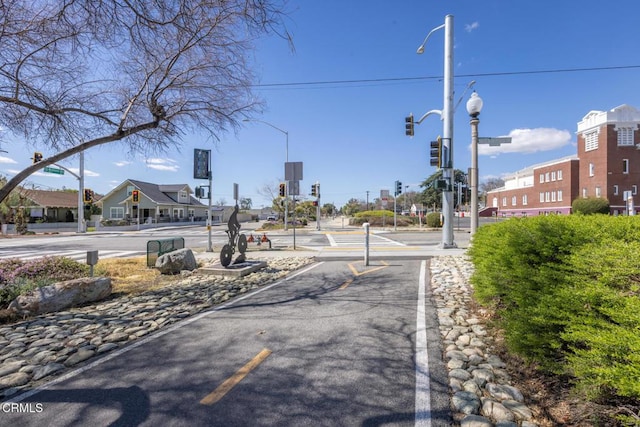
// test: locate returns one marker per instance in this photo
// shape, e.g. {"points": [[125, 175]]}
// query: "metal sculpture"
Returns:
{"points": [[235, 240]]}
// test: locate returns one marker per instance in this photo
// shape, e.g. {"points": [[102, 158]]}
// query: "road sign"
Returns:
{"points": [[53, 170], [494, 142], [293, 171], [201, 164]]}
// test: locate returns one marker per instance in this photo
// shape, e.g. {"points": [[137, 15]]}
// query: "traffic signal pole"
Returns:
{"points": [[447, 131]]}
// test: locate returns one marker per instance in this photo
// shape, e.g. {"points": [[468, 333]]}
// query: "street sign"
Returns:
{"points": [[201, 164], [294, 188], [53, 170], [293, 171], [494, 142]]}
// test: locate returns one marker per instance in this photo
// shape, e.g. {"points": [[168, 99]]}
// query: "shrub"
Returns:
{"points": [[567, 293], [380, 218], [17, 276], [433, 220], [590, 206]]}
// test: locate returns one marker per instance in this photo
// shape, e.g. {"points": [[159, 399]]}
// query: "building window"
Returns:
{"points": [[559, 195], [559, 175], [553, 196], [524, 200], [625, 165], [591, 169], [584, 192], [546, 177], [116, 213], [541, 178], [541, 197], [598, 192], [634, 189], [504, 201], [495, 202], [625, 136], [514, 200], [591, 141], [553, 176], [547, 197]]}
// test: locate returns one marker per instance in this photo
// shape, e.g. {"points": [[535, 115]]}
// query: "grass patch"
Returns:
{"points": [[131, 275]]}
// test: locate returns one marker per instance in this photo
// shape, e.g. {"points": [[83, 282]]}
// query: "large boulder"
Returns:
{"points": [[62, 295], [176, 261]]}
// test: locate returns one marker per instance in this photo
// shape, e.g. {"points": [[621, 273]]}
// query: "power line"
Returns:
{"points": [[409, 79]]}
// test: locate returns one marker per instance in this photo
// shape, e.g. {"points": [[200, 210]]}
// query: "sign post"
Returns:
{"points": [[292, 177], [202, 170]]}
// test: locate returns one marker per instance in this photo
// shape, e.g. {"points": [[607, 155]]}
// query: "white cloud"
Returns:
{"points": [[470, 27], [7, 160], [122, 163], [529, 141], [87, 172], [162, 164]]}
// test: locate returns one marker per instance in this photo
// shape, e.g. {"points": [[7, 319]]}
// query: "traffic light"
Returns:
{"points": [[135, 196], [436, 153], [317, 189], [408, 125], [282, 189], [87, 196], [315, 203], [200, 192], [37, 157], [398, 188], [314, 193]]}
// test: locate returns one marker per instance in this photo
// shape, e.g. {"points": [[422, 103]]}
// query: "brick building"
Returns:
{"points": [[607, 165]]}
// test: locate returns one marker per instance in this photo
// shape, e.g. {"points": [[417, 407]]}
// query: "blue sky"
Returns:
{"points": [[349, 131]]}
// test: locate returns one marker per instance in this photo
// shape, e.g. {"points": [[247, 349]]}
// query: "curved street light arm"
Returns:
{"points": [[266, 123], [421, 48], [428, 113]]}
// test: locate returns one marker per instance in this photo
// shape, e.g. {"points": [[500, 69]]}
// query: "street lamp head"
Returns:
{"points": [[420, 49], [474, 105]]}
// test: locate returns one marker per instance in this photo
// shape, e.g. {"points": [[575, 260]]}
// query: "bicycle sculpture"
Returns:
{"points": [[235, 240]]}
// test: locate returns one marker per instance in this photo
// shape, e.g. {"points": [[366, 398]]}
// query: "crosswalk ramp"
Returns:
{"points": [[77, 255], [356, 239]]}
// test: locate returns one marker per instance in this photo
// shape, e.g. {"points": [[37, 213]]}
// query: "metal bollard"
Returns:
{"points": [[92, 259], [366, 243]]}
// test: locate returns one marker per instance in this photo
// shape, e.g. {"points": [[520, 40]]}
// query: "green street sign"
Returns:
{"points": [[53, 170]]}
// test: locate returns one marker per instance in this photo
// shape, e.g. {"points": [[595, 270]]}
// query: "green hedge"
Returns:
{"points": [[433, 220], [567, 292], [590, 205], [382, 218]]}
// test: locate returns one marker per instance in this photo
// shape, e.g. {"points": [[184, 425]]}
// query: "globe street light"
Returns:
{"points": [[286, 184], [474, 106]]}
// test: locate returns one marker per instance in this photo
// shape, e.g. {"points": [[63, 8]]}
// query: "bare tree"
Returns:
{"points": [[81, 73]]}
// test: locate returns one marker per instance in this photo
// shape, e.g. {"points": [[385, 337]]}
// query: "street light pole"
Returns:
{"points": [[286, 183], [474, 106], [447, 130]]}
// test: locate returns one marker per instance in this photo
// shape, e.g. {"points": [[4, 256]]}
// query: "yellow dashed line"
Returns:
{"points": [[233, 380]]}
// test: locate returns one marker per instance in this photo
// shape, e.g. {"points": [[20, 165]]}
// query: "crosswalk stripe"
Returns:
{"points": [[76, 255]]}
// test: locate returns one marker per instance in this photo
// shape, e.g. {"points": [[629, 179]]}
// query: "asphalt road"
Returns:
{"points": [[338, 344]]}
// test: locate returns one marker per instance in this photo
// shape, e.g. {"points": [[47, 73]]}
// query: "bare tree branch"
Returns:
{"points": [[81, 73]]}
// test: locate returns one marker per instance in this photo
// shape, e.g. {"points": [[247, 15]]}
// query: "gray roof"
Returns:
{"points": [[158, 193]]}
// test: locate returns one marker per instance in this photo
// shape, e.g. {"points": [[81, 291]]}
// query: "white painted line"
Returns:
{"points": [[331, 240], [423, 385], [389, 240], [154, 336]]}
